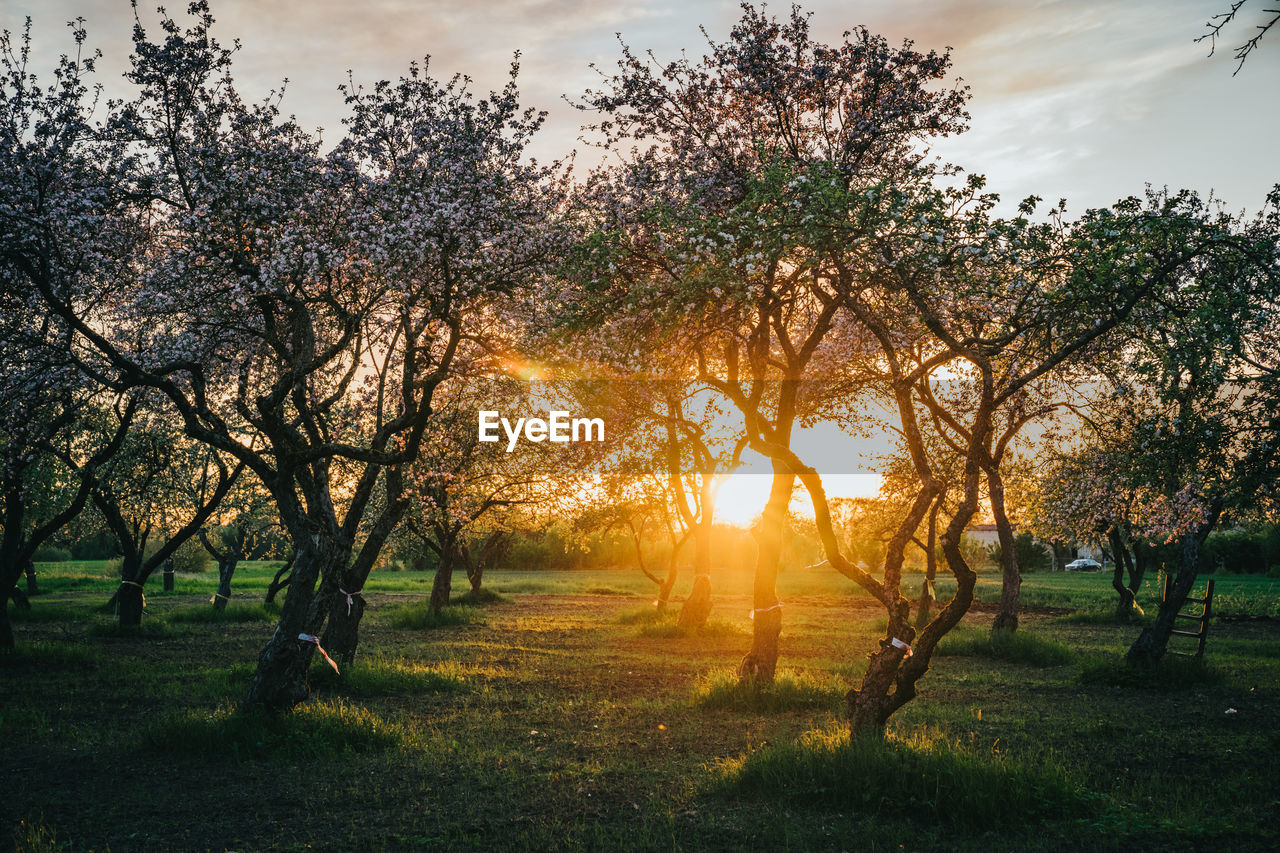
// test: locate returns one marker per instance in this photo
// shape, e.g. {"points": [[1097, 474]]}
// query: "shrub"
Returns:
{"points": [[192, 558], [51, 554], [930, 780], [477, 597]]}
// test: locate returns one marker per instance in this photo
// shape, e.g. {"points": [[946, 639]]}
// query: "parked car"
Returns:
{"points": [[1083, 566]]}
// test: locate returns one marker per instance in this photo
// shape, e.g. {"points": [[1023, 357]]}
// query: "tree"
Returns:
{"points": [[244, 518], [298, 309], [707, 234], [1215, 25], [156, 490]]}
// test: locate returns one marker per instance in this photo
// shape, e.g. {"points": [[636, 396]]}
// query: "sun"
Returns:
{"points": [[742, 496]]}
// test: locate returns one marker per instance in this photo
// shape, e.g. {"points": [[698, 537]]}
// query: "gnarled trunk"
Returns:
{"points": [[226, 568], [280, 681]]}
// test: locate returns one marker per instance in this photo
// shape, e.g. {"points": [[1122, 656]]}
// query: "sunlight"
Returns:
{"points": [[742, 496]]}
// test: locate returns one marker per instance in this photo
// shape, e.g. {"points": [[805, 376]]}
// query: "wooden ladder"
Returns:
{"points": [[1201, 618]]}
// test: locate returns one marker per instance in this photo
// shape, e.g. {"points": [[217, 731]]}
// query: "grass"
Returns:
{"points": [[420, 616], [552, 722], [668, 628], [51, 653], [151, 628], [369, 678], [789, 691], [319, 729], [1173, 672], [209, 615], [1020, 646], [925, 777], [47, 611]]}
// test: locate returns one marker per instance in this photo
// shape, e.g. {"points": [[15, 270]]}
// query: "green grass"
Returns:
{"points": [[420, 616], [152, 628], [369, 678], [668, 628], [1173, 672], [51, 653], [48, 611], [1020, 646], [646, 615], [209, 615], [317, 729], [928, 778], [552, 723], [789, 691]]}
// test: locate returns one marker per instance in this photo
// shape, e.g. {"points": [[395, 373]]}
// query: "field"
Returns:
{"points": [[566, 716]]}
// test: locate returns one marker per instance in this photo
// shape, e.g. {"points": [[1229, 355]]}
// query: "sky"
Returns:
{"points": [[1087, 100]]}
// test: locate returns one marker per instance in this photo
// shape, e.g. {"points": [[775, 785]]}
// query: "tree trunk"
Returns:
{"points": [[475, 573], [761, 662], [281, 579], [928, 592], [443, 583], [1124, 563], [1007, 616], [226, 568], [342, 634], [1151, 644], [130, 601], [6, 625], [697, 607], [280, 681]]}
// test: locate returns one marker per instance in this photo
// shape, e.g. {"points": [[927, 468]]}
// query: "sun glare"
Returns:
{"points": [[742, 497]]}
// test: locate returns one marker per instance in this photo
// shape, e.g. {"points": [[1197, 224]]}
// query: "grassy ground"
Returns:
{"points": [[567, 716]]}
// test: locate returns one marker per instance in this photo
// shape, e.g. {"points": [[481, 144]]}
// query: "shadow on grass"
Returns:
{"points": [[927, 779], [1173, 672], [787, 692], [1013, 646], [317, 729], [419, 615]]}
